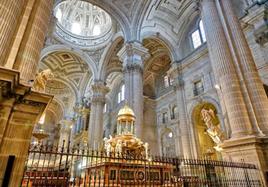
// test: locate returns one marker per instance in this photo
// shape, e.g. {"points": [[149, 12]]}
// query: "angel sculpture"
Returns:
{"points": [[119, 147], [41, 80], [107, 146], [213, 131], [146, 147]]}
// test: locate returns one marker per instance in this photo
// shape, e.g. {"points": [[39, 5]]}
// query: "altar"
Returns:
{"points": [[130, 173], [126, 160]]}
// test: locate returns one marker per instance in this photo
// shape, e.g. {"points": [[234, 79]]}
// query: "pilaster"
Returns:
{"points": [[176, 73], [20, 110]]}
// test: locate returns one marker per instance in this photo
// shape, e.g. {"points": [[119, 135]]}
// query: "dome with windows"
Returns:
{"points": [[82, 23]]}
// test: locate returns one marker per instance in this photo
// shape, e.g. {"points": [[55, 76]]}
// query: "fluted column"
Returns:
{"points": [[10, 14], [95, 131], [65, 132], [33, 40], [133, 56], [183, 126], [245, 59], [224, 68]]}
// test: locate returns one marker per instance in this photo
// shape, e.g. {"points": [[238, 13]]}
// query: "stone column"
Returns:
{"points": [[10, 16], [33, 40], [183, 126], [224, 68], [246, 62], [133, 56], [95, 131], [65, 132]]}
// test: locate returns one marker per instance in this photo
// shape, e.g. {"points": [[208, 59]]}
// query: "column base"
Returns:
{"points": [[249, 149]]}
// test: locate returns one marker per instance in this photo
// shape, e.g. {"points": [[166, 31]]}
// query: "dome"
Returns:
{"points": [[84, 19], [126, 113]]}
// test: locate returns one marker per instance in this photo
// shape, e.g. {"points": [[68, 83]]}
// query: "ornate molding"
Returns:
{"points": [[11, 88], [133, 53], [133, 68], [99, 90]]}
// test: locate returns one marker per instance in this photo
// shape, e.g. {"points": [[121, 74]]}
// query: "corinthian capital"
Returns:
{"points": [[99, 91], [133, 53]]}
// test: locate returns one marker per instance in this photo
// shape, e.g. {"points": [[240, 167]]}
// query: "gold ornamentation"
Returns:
{"points": [[126, 113], [125, 142], [41, 80]]}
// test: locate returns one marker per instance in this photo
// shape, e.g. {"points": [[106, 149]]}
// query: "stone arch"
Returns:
{"points": [[60, 47], [57, 108], [108, 53], [163, 18], [165, 40], [57, 92], [184, 43], [114, 81], [213, 101]]}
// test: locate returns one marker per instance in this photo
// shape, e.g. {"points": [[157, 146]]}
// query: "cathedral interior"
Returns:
{"points": [[181, 79]]}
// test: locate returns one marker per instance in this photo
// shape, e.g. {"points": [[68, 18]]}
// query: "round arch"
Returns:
{"points": [[166, 41], [57, 108], [59, 47], [107, 54], [206, 143]]}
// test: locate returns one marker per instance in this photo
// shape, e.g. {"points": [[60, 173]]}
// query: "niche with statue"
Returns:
{"points": [[208, 130]]}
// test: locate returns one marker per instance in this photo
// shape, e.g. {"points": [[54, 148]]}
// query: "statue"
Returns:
{"points": [[41, 80], [110, 138], [118, 147], [213, 130], [107, 146], [146, 147]]}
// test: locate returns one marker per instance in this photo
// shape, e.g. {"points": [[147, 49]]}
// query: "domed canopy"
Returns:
{"points": [[83, 19], [126, 113]]}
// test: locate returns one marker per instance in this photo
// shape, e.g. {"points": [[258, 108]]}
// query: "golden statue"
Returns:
{"points": [[213, 130], [41, 80]]}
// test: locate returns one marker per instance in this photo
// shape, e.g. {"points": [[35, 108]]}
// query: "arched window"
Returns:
{"points": [[168, 81], [174, 113], [165, 117], [121, 94], [198, 36], [105, 108], [168, 144]]}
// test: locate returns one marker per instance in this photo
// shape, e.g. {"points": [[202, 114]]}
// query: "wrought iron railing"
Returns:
{"points": [[66, 166]]}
